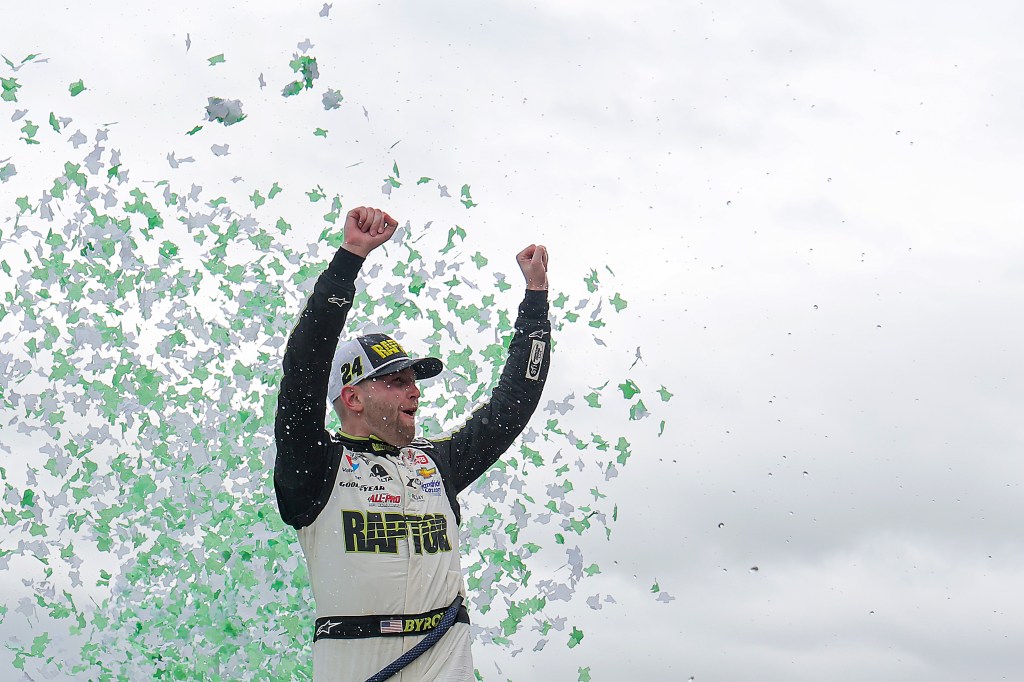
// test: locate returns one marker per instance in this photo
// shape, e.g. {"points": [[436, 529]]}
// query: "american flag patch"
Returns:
{"points": [[388, 626]]}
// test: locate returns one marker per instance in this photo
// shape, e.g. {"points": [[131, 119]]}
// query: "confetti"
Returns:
{"points": [[151, 316], [226, 111]]}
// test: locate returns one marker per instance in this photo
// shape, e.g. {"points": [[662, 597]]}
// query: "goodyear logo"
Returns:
{"points": [[387, 348]]}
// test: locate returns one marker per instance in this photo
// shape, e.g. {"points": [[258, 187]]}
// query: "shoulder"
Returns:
{"points": [[421, 443]]}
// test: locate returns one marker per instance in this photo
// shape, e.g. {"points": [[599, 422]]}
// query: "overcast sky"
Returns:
{"points": [[814, 212]]}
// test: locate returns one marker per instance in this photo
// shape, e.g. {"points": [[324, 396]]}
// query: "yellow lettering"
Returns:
{"points": [[387, 348]]}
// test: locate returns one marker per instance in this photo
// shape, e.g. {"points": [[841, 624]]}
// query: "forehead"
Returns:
{"points": [[404, 375]]}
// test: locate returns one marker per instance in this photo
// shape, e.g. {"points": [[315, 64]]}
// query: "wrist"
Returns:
{"points": [[360, 251]]}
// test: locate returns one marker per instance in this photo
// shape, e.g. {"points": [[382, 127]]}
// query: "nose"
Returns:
{"points": [[414, 391]]}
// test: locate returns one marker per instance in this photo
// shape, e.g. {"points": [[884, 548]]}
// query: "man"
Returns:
{"points": [[375, 507]]}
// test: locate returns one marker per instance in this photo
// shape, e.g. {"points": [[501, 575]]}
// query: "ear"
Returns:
{"points": [[350, 399]]}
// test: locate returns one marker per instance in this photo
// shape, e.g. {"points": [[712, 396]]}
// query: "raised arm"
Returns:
{"points": [[492, 426], [301, 464]]}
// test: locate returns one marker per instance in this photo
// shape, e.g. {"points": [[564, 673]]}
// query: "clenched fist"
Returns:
{"points": [[366, 229], [533, 261]]}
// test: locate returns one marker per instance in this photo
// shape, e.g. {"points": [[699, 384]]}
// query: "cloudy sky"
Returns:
{"points": [[813, 210]]}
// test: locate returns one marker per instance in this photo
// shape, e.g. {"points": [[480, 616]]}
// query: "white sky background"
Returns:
{"points": [[813, 209]]}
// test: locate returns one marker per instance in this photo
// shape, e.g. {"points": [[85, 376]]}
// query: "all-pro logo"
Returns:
{"points": [[536, 360], [379, 472], [384, 500]]}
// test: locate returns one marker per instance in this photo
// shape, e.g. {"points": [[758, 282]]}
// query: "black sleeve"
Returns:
{"points": [[491, 428], [302, 467]]}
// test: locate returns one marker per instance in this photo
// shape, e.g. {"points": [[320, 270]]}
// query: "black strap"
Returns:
{"points": [[421, 646], [358, 627]]}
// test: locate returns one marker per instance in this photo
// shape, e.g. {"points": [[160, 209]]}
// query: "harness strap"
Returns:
{"points": [[358, 627], [430, 640]]}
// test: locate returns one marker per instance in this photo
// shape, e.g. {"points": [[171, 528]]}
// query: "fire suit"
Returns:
{"points": [[378, 525]]}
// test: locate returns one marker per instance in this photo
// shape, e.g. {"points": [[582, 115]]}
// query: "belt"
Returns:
{"points": [[358, 627]]}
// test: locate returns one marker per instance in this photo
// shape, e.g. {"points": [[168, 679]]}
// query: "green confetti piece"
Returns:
{"points": [[257, 199], [316, 194], [30, 129], [168, 250], [592, 569], [584, 674], [10, 88], [54, 123], [478, 260], [72, 171], [622, 447], [194, 130], [76, 88], [637, 410], [452, 234], [617, 302], [216, 59], [575, 637], [424, 180], [591, 281], [593, 399], [307, 69], [664, 393], [466, 199], [320, 132], [274, 191], [655, 588], [629, 389]]}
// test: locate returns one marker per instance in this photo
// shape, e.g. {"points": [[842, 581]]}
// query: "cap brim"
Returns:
{"points": [[424, 368]]}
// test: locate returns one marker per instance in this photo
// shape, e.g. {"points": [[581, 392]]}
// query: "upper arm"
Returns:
{"points": [[493, 426]]}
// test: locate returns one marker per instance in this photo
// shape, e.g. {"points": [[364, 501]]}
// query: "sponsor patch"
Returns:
{"points": [[431, 486], [348, 484], [421, 458], [377, 471], [536, 361], [380, 532], [384, 500], [370, 488], [424, 472]]}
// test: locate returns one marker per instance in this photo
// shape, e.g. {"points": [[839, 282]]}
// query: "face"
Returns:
{"points": [[390, 404]]}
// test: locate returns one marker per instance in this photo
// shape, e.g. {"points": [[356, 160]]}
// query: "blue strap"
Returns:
{"points": [[428, 641]]}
